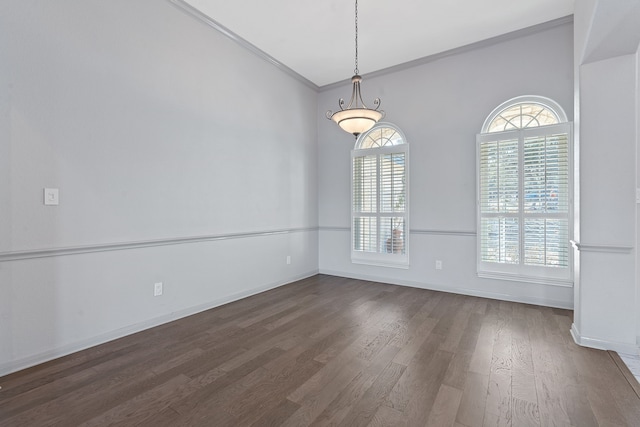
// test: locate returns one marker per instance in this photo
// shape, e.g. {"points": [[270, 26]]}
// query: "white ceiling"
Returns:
{"points": [[316, 38]]}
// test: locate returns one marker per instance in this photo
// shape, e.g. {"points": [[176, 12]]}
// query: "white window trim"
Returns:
{"points": [[562, 277], [375, 258], [526, 99]]}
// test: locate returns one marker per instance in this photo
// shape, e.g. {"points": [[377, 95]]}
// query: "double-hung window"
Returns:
{"points": [[525, 192], [380, 205]]}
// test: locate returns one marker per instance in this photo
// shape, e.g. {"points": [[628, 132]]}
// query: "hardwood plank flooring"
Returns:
{"points": [[330, 351]]}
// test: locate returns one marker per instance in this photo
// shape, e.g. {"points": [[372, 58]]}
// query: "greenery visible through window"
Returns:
{"points": [[379, 196], [524, 192]]}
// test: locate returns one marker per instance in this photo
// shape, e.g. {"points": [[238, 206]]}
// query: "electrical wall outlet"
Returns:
{"points": [[288, 259], [157, 289], [438, 264], [51, 196]]}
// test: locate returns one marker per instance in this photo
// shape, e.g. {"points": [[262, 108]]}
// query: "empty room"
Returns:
{"points": [[319, 213]]}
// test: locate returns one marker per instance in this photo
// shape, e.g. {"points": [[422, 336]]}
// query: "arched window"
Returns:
{"points": [[524, 112], [380, 205], [525, 192]]}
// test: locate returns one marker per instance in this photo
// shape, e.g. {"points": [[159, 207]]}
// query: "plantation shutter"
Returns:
{"points": [[379, 232], [524, 201], [365, 202], [499, 201], [546, 196]]}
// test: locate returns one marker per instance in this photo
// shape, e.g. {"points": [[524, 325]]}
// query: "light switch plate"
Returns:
{"points": [[51, 196], [157, 289]]}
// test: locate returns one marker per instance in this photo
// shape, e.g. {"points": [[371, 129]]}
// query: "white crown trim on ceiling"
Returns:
{"points": [[190, 10]]}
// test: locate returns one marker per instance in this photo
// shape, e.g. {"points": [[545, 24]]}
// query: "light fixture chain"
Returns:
{"points": [[356, 70], [356, 117]]}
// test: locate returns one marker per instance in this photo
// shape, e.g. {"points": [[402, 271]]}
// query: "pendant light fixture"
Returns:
{"points": [[356, 118]]}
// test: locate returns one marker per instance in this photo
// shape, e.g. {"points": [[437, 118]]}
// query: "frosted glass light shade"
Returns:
{"points": [[356, 120]]}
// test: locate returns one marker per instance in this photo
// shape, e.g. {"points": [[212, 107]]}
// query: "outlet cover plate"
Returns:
{"points": [[51, 196]]}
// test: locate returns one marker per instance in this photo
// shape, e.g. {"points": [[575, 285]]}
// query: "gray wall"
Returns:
{"points": [[441, 106], [607, 294], [174, 160], [175, 163]]}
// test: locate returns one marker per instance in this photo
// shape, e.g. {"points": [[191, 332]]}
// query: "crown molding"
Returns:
{"points": [[190, 10], [458, 50]]}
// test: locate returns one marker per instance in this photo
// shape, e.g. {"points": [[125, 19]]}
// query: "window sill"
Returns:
{"points": [[377, 263], [538, 280]]}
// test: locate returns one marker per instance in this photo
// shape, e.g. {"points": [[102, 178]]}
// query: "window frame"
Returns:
{"points": [[547, 103], [383, 259], [559, 276]]}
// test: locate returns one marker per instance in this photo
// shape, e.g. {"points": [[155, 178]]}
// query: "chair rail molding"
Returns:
{"points": [[602, 248], [119, 246], [433, 232]]}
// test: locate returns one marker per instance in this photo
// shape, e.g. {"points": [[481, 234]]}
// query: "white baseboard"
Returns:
{"points": [[545, 302], [599, 344], [27, 362]]}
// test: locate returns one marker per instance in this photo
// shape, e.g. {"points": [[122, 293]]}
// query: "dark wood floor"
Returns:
{"points": [[334, 351]]}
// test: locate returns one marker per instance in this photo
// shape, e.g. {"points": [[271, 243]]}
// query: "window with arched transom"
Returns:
{"points": [[525, 192], [380, 200]]}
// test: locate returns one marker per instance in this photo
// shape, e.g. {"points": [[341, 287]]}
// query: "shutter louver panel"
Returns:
{"points": [[499, 180], [545, 242], [508, 176], [392, 188], [392, 234], [500, 240], [534, 241], [558, 173], [534, 175], [365, 234], [365, 184], [546, 174], [488, 177]]}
